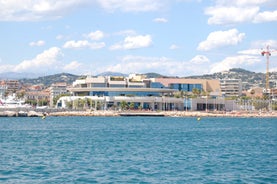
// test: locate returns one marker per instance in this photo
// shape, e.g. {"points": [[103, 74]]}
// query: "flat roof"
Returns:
{"points": [[161, 90]]}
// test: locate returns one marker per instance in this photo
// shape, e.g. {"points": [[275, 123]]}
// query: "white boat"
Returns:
{"points": [[12, 102]]}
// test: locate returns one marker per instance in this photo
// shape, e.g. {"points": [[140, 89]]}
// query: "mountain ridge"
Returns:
{"points": [[248, 78]]}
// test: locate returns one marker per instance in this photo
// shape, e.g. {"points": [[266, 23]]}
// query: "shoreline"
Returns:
{"points": [[111, 113]]}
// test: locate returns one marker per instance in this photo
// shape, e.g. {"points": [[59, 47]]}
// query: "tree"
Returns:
{"points": [[196, 92], [123, 105], [56, 98], [132, 105]]}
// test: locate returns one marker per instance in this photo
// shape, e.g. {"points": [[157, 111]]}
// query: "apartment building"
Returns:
{"points": [[231, 87]]}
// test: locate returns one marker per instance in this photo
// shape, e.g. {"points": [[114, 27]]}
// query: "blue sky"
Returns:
{"points": [[170, 37]]}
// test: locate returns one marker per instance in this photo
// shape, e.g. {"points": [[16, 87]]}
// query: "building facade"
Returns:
{"points": [[231, 87], [152, 94]]}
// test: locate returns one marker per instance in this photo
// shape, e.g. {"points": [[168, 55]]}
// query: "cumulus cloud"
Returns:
{"points": [[160, 20], [230, 15], [72, 66], [241, 2], [240, 61], [261, 45], [174, 47], [266, 16], [45, 61], [200, 59], [72, 44], [163, 65], [97, 35], [221, 38], [141, 64], [133, 42], [239, 11], [131, 6], [37, 43], [35, 10]]}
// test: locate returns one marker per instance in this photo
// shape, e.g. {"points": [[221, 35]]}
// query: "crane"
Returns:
{"points": [[267, 53]]}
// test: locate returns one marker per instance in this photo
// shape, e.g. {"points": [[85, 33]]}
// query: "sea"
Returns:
{"points": [[138, 150]]}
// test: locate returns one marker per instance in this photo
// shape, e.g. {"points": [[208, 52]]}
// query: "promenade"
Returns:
{"points": [[112, 113]]}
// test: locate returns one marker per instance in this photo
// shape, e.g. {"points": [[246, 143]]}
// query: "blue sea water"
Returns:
{"points": [[138, 150]]}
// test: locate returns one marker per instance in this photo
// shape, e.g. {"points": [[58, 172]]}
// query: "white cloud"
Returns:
{"points": [[5, 68], [264, 43], [174, 47], [261, 45], [241, 2], [239, 11], [163, 65], [83, 44], [251, 52], [34, 10], [221, 38], [266, 16], [97, 35], [160, 20], [230, 15], [37, 43], [141, 64], [133, 42], [131, 5], [200, 59], [47, 60], [72, 66], [240, 61]]}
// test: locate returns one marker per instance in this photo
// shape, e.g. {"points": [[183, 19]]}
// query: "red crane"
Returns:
{"points": [[267, 52]]}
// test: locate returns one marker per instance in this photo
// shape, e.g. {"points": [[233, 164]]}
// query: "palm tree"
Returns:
{"points": [[196, 92]]}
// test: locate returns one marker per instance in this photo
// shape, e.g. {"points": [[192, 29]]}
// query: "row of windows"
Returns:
{"points": [[186, 87], [123, 93]]}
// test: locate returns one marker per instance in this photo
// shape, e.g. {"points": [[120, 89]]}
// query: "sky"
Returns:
{"points": [[170, 37]]}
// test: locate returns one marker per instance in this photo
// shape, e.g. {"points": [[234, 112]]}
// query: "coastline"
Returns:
{"points": [[167, 114], [110, 113]]}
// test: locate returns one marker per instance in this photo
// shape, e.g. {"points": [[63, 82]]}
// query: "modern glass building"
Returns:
{"points": [[152, 94]]}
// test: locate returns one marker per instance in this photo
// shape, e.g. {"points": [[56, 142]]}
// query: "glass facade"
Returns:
{"points": [[186, 87], [123, 93], [156, 85]]}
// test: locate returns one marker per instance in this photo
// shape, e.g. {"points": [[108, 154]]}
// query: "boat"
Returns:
{"points": [[12, 102]]}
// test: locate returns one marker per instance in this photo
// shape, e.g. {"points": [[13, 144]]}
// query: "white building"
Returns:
{"points": [[231, 87]]}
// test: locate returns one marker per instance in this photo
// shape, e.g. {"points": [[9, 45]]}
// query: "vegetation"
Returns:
{"points": [[50, 79]]}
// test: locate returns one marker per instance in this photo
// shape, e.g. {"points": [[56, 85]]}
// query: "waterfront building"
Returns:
{"points": [[8, 87], [151, 94], [57, 89], [212, 87], [231, 87]]}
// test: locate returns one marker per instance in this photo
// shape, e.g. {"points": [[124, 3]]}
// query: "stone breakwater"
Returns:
{"points": [[109, 113], [168, 113], [20, 114]]}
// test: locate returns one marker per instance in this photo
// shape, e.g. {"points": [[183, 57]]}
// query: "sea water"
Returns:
{"points": [[138, 150]]}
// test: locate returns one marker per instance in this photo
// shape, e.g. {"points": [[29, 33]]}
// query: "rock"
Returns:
{"points": [[22, 114], [34, 114]]}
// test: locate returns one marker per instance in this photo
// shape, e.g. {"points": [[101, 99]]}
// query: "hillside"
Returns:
{"points": [[50, 79], [248, 78]]}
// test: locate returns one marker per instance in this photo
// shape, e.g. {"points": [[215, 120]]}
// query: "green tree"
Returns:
{"points": [[56, 98], [123, 105], [196, 92], [132, 105]]}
